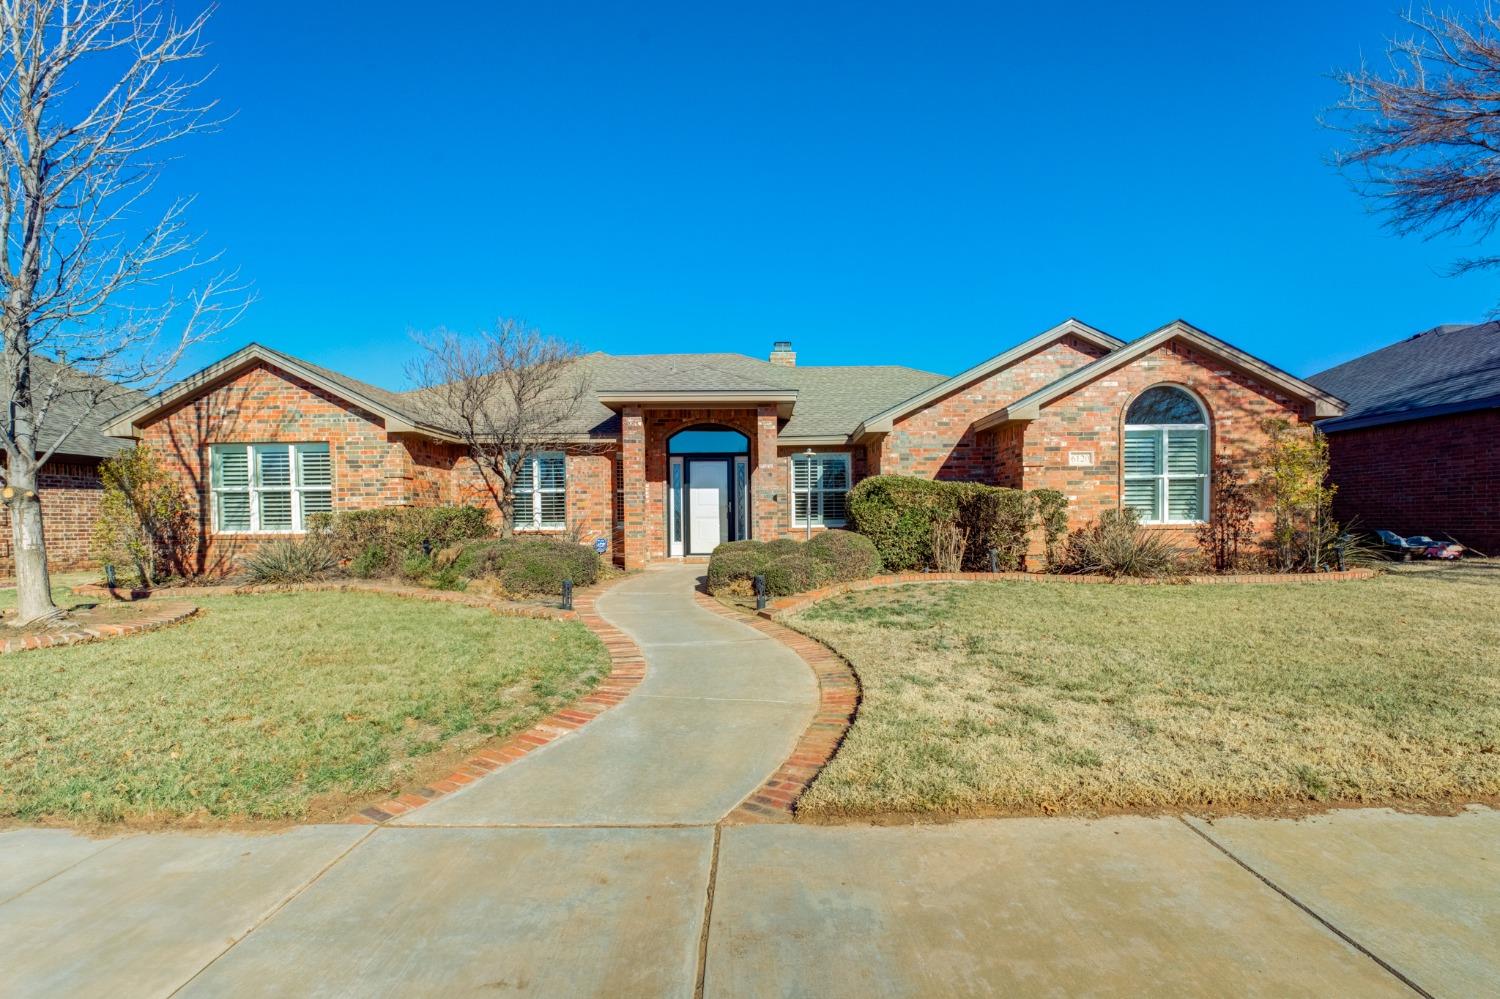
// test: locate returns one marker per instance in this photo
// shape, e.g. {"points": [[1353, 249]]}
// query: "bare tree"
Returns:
{"points": [[1425, 133], [91, 93], [509, 393]]}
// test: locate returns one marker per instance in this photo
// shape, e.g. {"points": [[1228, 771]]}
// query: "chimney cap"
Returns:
{"points": [[782, 345]]}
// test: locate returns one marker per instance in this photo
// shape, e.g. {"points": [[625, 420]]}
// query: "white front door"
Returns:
{"points": [[708, 505]]}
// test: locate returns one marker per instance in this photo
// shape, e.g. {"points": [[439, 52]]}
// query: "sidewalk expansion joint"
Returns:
{"points": [[274, 911], [708, 915], [1308, 910]]}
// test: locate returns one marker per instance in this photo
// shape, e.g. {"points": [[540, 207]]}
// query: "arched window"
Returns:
{"points": [[1166, 457]]}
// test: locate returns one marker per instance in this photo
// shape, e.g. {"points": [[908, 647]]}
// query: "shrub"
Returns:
{"points": [[735, 563], [905, 517], [994, 519], [1224, 539], [379, 541], [292, 560], [845, 554], [522, 565], [898, 514], [1052, 517], [144, 520], [778, 547], [1117, 545], [1295, 481], [794, 574]]}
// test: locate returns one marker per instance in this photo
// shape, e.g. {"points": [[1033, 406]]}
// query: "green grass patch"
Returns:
{"points": [[274, 706], [1022, 697]]}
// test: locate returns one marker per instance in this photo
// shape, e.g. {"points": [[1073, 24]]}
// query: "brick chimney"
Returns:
{"points": [[783, 354]]}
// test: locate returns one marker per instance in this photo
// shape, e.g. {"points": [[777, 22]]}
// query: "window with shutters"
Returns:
{"points": [[820, 489], [1166, 457], [540, 497], [269, 488]]}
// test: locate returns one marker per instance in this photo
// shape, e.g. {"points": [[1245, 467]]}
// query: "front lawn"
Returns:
{"points": [[274, 706], [1035, 698]]}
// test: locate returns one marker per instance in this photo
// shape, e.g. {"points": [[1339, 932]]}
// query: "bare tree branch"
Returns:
{"points": [[91, 93], [1425, 130], [509, 393]]}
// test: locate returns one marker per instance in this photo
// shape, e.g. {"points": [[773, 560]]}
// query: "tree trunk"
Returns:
{"points": [[33, 583]]}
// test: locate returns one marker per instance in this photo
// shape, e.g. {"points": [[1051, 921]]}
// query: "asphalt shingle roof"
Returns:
{"points": [[831, 400], [72, 406], [1446, 369]]}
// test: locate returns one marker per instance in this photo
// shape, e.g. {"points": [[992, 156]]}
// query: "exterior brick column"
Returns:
{"points": [[764, 482], [633, 465]]}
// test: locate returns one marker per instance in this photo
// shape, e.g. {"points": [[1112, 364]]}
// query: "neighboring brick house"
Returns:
{"points": [[1418, 450], [69, 483], [674, 453]]}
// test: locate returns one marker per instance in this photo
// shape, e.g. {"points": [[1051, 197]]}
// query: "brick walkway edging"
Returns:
{"points": [[796, 602], [838, 702], [160, 616]]}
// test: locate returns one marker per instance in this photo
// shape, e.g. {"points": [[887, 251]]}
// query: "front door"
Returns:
{"points": [[707, 504]]}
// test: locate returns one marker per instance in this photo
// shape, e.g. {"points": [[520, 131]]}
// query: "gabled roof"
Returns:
{"points": [[884, 421], [401, 413], [829, 400], [1029, 408], [1447, 369]]}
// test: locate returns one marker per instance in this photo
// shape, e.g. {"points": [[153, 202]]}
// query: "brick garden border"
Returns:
{"points": [[796, 602], [838, 702], [159, 616], [628, 669]]}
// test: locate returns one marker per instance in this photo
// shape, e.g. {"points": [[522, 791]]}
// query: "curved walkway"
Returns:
{"points": [[721, 708]]}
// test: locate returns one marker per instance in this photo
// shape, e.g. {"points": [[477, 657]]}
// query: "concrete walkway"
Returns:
{"points": [[598, 867], [721, 707]]}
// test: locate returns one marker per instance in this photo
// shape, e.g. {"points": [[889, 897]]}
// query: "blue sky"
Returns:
{"points": [[913, 184]]}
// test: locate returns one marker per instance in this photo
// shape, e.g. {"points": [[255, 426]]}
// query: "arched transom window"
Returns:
{"points": [[1166, 457]]}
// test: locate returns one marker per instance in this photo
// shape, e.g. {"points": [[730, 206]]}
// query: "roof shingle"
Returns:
{"points": [[1446, 369]]}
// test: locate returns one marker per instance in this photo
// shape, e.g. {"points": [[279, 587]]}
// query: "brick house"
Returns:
{"points": [[1418, 450], [675, 453], [69, 483]]}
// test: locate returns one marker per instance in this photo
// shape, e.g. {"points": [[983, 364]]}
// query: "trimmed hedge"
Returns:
{"points": [[845, 554], [735, 563], [900, 514], [381, 541], [794, 574], [791, 566], [529, 565]]}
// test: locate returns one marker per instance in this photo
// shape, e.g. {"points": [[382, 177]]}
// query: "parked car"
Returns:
{"points": [[1418, 546]]}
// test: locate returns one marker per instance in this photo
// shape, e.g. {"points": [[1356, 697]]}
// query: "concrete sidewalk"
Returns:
{"points": [[599, 866], [1360, 903]]}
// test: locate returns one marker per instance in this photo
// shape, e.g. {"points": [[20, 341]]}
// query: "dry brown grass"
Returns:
{"points": [[1016, 697]]}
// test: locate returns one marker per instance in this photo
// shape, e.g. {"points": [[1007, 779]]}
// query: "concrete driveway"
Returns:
{"points": [[599, 866]]}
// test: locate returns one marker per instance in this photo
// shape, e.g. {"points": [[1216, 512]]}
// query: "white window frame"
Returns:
{"points": [[535, 525], [1164, 477], [820, 458], [294, 488]]}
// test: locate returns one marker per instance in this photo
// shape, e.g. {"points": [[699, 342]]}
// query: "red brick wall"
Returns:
{"points": [[1439, 476], [645, 448], [1091, 419], [937, 441], [267, 405], [71, 493]]}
